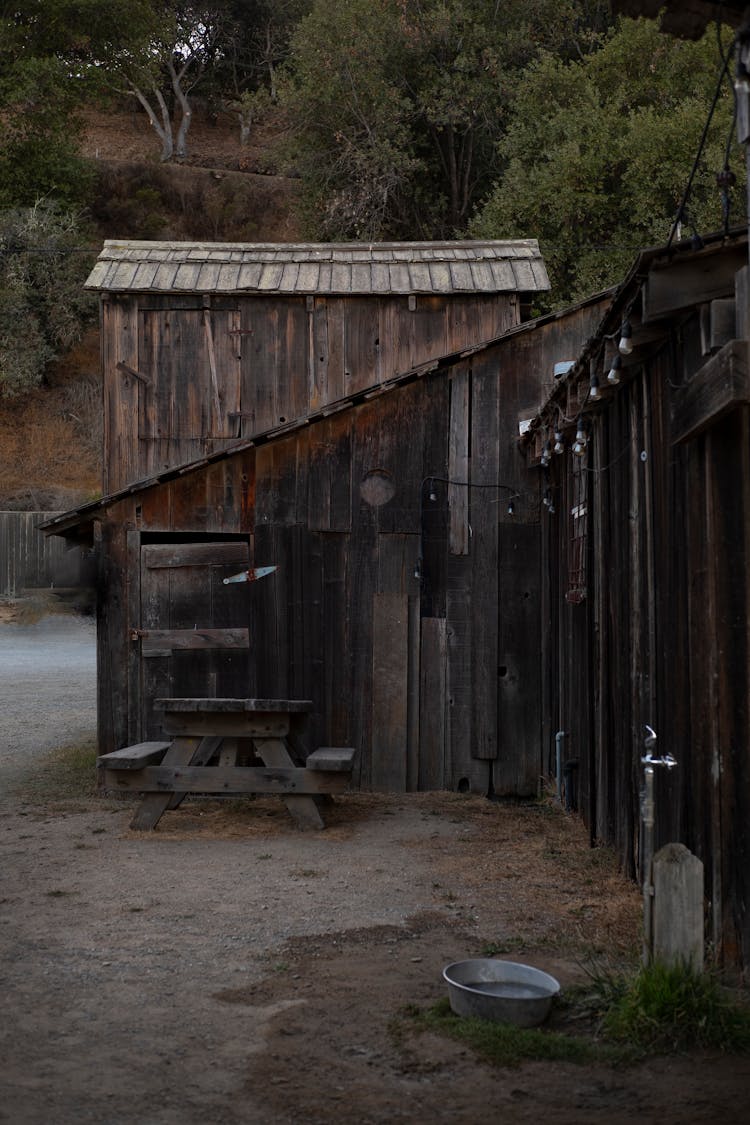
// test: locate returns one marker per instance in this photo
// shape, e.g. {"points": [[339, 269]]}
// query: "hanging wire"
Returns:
{"points": [[682, 214]]}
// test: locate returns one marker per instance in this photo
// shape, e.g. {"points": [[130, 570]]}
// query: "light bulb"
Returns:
{"points": [[613, 378], [626, 338], [511, 508], [594, 386], [559, 442], [546, 455], [579, 445]]}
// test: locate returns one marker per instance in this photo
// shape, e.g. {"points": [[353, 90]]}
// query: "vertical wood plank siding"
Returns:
{"points": [[662, 635], [183, 376], [28, 559]]}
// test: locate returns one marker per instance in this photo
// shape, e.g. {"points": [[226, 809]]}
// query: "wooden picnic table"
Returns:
{"points": [[202, 758]]}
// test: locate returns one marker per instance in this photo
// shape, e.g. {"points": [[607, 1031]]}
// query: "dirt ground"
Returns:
{"points": [[230, 968]]}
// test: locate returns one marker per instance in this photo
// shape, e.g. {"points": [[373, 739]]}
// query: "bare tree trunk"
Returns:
{"points": [[187, 113], [269, 64], [163, 128]]}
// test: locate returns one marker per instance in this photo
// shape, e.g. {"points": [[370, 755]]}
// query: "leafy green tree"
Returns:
{"points": [[349, 117], [395, 107], [54, 55], [598, 152], [38, 96], [43, 308]]}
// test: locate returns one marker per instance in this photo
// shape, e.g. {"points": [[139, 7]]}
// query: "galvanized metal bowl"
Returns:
{"points": [[505, 991]]}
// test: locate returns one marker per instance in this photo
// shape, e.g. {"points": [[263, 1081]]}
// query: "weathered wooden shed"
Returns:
{"points": [[362, 438], [207, 344], [646, 565]]}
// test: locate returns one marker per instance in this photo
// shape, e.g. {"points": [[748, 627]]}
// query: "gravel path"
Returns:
{"points": [[228, 969], [47, 690]]}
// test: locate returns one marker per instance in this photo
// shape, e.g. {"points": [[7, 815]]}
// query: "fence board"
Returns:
{"points": [[28, 558]]}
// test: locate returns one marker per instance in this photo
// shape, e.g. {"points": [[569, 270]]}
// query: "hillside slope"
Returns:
{"points": [[50, 440]]}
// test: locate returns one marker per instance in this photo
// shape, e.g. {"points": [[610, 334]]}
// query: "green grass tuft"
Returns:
{"points": [[506, 1045], [668, 1008]]}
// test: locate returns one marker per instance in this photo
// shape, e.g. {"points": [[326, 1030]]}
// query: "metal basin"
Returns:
{"points": [[500, 990]]}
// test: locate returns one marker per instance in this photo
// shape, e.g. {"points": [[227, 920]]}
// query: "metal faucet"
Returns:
{"points": [[648, 760]]}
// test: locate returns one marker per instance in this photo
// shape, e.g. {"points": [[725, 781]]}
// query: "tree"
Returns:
{"points": [[395, 107], [598, 152], [465, 59], [256, 43], [53, 55], [159, 52], [350, 117], [38, 100], [43, 308]]}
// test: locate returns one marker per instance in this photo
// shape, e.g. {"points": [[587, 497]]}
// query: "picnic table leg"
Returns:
{"points": [[184, 751], [302, 808]]}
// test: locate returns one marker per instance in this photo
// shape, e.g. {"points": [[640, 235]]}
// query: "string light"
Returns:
{"points": [[559, 446], [613, 378], [626, 338], [546, 454], [581, 441], [594, 386]]}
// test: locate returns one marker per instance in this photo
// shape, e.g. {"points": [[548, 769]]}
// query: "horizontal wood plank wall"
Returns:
{"points": [[27, 557]]}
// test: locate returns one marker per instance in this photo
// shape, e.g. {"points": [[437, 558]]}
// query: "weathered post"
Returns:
{"points": [[677, 911]]}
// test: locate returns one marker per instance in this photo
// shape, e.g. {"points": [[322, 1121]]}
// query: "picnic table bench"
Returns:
{"points": [[202, 757]]}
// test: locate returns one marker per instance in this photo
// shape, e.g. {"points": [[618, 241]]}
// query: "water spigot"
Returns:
{"points": [[648, 759]]}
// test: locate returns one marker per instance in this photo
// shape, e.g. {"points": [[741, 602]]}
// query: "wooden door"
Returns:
{"points": [[193, 636]]}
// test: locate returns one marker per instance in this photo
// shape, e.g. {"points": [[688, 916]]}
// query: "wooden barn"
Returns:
{"points": [[646, 567], [494, 539], [332, 411]]}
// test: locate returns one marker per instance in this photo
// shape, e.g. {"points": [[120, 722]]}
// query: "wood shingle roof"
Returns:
{"points": [[361, 269]]}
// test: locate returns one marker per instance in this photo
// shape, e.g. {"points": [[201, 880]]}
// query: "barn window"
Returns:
{"points": [[577, 532]]}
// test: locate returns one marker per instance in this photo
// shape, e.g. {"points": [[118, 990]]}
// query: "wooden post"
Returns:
{"points": [[677, 907]]}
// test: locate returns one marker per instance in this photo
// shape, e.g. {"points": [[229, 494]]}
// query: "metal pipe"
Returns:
{"points": [[649, 761], [558, 764]]}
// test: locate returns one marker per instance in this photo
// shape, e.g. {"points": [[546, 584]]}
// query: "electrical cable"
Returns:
{"points": [[682, 209]]}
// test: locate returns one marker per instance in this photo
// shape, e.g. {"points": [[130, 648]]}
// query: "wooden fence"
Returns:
{"points": [[27, 558]]}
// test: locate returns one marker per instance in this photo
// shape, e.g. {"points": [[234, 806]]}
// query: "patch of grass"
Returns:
{"points": [[668, 1008], [66, 773], [622, 1017], [506, 1045]]}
